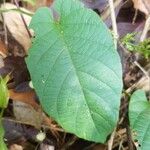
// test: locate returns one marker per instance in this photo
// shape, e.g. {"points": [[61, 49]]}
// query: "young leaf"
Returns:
{"points": [[75, 69], [4, 95], [139, 115]]}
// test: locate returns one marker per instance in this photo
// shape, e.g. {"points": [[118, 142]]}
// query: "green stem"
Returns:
{"points": [[1, 114]]}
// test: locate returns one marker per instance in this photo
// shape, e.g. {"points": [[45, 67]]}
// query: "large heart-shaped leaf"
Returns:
{"points": [[139, 114], [75, 69]]}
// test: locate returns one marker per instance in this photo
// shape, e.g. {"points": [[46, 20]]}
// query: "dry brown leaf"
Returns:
{"points": [[25, 97], [99, 147], [16, 67], [26, 109], [3, 49], [16, 26], [16, 147], [24, 113], [46, 147], [40, 3], [142, 5], [49, 2]]}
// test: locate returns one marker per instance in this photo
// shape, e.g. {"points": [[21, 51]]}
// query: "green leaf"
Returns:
{"points": [[2, 143], [75, 69], [4, 95], [139, 115]]}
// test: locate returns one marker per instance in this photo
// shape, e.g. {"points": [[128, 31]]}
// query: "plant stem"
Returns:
{"points": [[114, 24], [145, 30], [110, 142], [5, 28], [107, 12]]}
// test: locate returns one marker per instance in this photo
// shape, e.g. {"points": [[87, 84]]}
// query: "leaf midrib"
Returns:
{"points": [[74, 68]]}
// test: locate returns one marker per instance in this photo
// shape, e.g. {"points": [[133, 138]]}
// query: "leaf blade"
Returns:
{"points": [[75, 95], [139, 115]]}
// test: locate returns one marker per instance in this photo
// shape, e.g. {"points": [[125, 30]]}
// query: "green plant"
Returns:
{"points": [[139, 115], [75, 69], [4, 96], [129, 41], [142, 48]]}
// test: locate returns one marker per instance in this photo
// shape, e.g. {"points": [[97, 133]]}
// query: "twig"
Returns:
{"points": [[24, 22], [135, 16], [111, 140], [120, 145], [130, 89], [5, 29], [106, 12], [145, 30], [114, 24], [145, 73], [129, 136], [27, 123], [142, 69]]}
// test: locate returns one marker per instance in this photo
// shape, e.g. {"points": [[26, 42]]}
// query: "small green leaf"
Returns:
{"points": [[4, 95], [139, 115], [2, 143], [75, 69]]}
